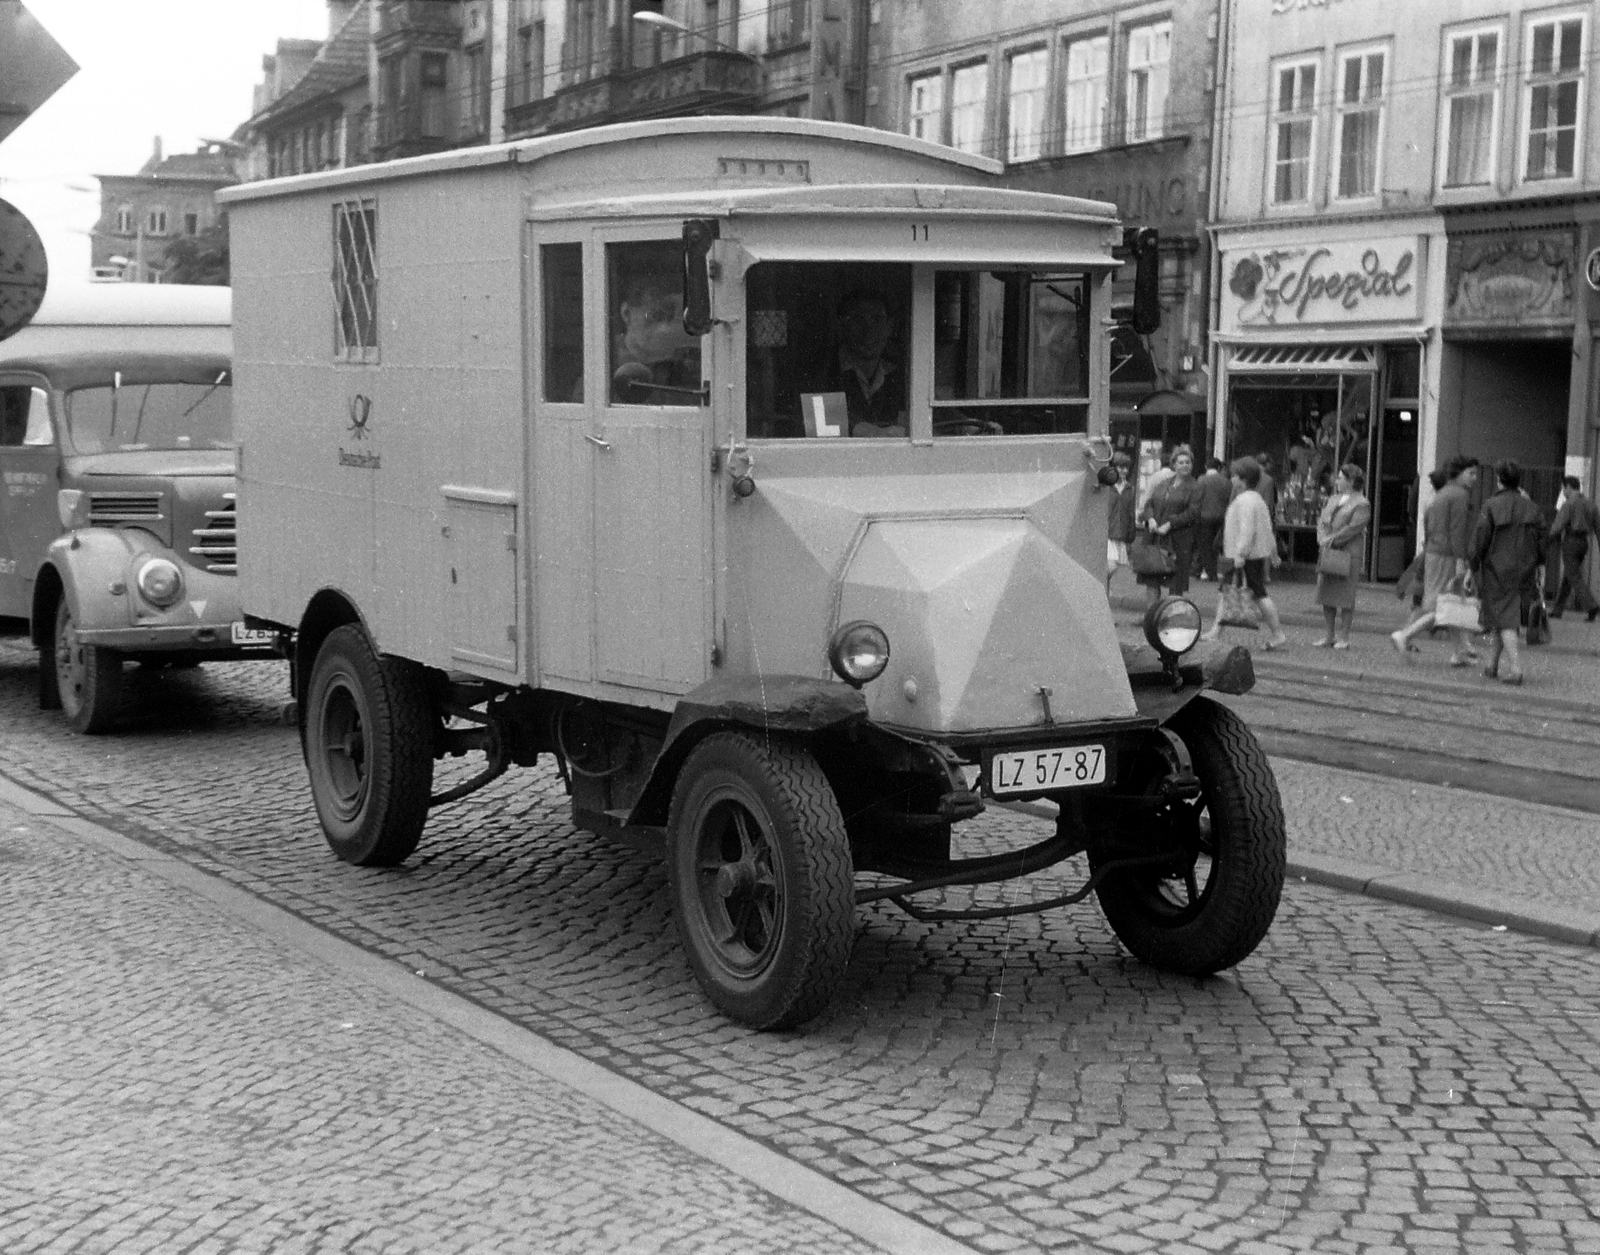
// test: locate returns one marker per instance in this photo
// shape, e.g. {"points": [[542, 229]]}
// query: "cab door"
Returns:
{"points": [[650, 441], [30, 467]]}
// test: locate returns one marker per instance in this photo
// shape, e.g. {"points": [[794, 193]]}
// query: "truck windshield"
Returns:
{"points": [[828, 345], [107, 419]]}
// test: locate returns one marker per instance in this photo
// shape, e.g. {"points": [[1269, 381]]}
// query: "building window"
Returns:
{"points": [[788, 23], [1294, 124], [969, 97], [476, 121], [156, 222], [1359, 123], [530, 63], [433, 95], [1555, 92], [355, 280], [1087, 60], [1025, 104], [1472, 106], [191, 224], [587, 40], [125, 220], [1149, 55], [927, 107]]}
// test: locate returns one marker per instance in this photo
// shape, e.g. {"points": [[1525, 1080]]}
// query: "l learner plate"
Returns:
{"points": [[1031, 771], [243, 635]]}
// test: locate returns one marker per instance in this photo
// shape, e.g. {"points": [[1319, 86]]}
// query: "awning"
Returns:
{"points": [[1300, 359], [1166, 404]]}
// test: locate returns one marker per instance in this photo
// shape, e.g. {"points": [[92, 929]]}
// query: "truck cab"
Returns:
{"points": [[755, 470], [117, 533]]}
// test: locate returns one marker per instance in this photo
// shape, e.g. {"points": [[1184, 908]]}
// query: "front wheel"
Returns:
{"points": [[369, 749], [88, 678], [1212, 907], [762, 880]]}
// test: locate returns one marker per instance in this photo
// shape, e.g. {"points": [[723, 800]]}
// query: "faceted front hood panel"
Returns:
{"points": [[981, 615], [985, 584]]}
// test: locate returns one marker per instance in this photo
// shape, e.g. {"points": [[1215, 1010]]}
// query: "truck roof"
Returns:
{"points": [[135, 305], [962, 168]]}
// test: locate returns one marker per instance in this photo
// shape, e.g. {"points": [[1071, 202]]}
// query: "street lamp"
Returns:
{"points": [[661, 22]]}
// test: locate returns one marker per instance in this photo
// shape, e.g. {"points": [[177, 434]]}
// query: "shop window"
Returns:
{"points": [[1472, 108], [1554, 97], [355, 280], [654, 361], [1359, 123], [1149, 58], [561, 276], [969, 99], [1026, 74], [1294, 126], [1085, 104], [926, 98]]}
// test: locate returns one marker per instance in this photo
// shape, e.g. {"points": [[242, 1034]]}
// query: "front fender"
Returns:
{"points": [[792, 705], [1218, 667], [96, 567]]}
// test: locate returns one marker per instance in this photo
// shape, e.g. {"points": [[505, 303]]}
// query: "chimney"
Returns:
{"points": [[155, 159]]}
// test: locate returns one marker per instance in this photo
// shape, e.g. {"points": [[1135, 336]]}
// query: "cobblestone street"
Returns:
{"points": [[1374, 1078]]}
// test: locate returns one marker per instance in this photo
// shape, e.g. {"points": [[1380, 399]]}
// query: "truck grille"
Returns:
{"points": [[217, 543], [107, 509]]}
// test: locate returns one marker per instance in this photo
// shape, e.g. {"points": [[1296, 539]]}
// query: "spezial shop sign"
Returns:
{"points": [[1315, 284]]}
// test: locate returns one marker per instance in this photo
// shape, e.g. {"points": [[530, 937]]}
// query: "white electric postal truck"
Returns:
{"points": [[754, 469]]}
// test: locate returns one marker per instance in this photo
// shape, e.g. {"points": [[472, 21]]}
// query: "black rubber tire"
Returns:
{"points": [[1246, 858], [778, 966], [88, 678], [369, 749]]}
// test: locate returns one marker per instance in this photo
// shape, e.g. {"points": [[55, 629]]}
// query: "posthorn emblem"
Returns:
{"points": [[360, 410]]}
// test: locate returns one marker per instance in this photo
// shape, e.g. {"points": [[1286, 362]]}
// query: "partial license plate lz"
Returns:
{"points": [[1044, 770], [243, 635]]}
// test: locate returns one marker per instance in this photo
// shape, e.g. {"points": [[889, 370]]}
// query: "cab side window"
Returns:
{"points": [[561, 274], [24, 416], [653, 360]]}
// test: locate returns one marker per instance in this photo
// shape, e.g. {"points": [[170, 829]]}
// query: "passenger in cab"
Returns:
{"points": [[873, 383]]}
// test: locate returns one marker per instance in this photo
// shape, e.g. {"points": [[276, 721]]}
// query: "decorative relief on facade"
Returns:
{"points": [[1515, 277]]}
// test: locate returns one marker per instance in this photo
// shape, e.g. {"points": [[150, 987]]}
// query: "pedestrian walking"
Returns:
{"points": [[1577, 520], [1170, 516], [1249, 546], [1507, 553], [1339, 531], [1120, 526], [1215, 492], [1269, 486], [1447, 530]]}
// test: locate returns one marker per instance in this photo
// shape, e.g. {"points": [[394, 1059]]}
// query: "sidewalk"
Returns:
{"points": [[190, 1068]]}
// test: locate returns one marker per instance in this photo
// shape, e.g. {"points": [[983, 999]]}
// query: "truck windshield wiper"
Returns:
{"points": [[201, 400]]}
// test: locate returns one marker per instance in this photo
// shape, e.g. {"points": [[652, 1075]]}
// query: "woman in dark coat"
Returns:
{"points": [[1341, 527], [1170, 516], [1507, 554]]}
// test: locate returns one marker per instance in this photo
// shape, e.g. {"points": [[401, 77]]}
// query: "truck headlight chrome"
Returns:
{"points": [[1172, 626], [859, 652], [160, 582]]}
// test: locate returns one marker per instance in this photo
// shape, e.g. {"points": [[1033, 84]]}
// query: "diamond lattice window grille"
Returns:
{"points": [[355, 280]]}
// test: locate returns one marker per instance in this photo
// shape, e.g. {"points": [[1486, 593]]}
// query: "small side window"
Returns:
{"points": [[653, 360], [355, 280], [561, 279], [38, 430], [14, 405]]}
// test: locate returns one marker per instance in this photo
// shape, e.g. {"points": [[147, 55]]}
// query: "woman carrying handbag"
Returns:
{"points": [[1248, 544], [1508, 552], [1169, 521], [1339, 532]]}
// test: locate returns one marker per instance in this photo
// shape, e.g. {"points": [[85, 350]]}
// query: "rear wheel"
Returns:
{"points": [[1209, 908], [762, 880], [88, 678], [369, 749]]}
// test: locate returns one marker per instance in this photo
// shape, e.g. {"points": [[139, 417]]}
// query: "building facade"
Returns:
{"points": [[1402, 213], [1105, 99], [169, 199]]}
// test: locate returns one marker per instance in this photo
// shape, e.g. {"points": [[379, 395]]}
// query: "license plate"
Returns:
{"points": [[1033, 771], [243, 635]]}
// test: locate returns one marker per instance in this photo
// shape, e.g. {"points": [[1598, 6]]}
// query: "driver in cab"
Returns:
{"points": [[874, 384], [654, 361]]}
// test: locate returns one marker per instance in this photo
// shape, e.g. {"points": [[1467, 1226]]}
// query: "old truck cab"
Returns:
{"points": [[117, 523], [754, 469]]}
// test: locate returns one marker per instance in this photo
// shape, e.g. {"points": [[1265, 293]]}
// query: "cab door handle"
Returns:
{"points": [[598, 442]]}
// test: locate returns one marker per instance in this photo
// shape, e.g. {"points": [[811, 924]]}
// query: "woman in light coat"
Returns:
{"points": [[1249, 543], [1340, 529]]}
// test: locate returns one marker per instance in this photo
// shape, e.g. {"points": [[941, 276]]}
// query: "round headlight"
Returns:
{"points": [[859, 652], [1172, 626], [160, 582]]}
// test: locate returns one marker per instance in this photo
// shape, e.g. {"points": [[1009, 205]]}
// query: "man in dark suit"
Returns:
{"points": [[1576, 522]]}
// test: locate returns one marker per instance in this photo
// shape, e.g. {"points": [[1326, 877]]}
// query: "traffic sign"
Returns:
{"points": [[23, 270]]}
